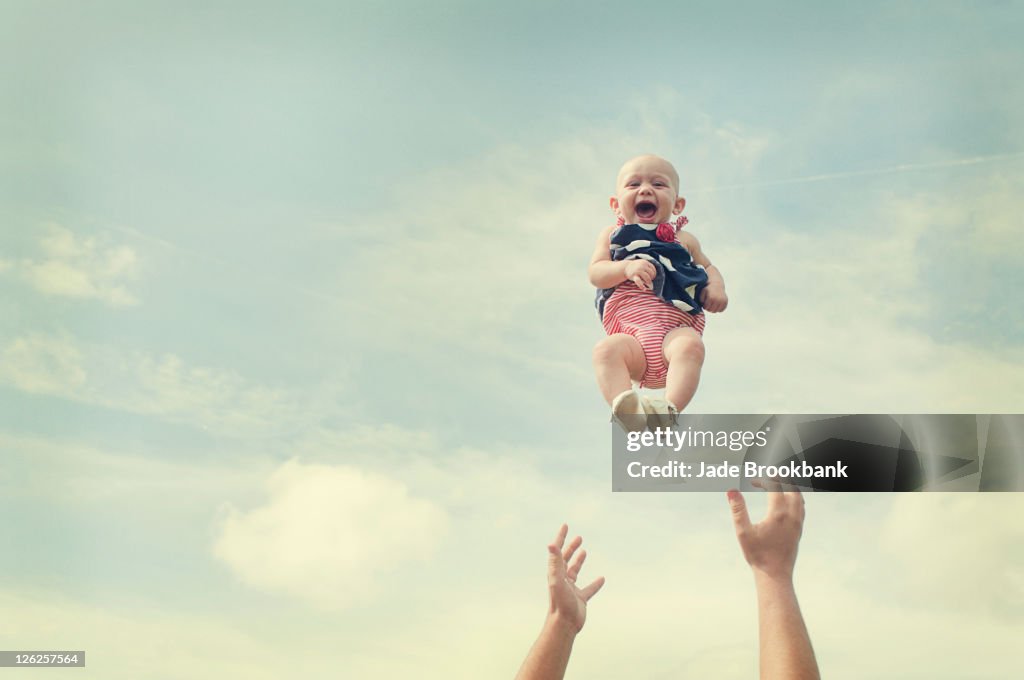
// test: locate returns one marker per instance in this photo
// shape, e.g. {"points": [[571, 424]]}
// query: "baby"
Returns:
{"points": [[654, 284]]}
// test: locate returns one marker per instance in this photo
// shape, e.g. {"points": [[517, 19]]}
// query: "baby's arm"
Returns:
{"points": [[606, 273], [713, 298]]}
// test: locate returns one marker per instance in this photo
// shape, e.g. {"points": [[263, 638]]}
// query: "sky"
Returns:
{"points": [[295, 327]]}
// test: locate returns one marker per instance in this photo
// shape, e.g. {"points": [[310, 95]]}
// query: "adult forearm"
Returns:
{"points": [[786, 652], [549, 656], [607, 274]]}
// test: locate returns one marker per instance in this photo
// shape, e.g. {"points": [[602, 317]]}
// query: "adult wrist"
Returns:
{"points": [[561, 625], [779, 577]]}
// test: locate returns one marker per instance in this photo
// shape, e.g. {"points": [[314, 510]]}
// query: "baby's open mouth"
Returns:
{"points": [[645, 210]]}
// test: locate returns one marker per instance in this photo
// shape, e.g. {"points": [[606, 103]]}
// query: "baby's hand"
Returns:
{"points": [[641, 272], [714, 299]]}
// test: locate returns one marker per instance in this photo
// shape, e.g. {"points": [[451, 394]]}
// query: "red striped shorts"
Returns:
{"points": [[648, 318]]}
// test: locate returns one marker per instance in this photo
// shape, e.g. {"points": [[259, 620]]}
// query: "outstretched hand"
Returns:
{"points": [[770, 546], [569, 601]]}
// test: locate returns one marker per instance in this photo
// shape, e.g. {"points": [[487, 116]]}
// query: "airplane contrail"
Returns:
{"points": [[863, 173]]}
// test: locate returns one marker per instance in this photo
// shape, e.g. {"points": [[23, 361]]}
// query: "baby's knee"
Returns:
{"points": [[686, 346], [613, 349], [606, 351]]}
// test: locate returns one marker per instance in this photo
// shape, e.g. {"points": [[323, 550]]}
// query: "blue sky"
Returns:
{"points": [[295, 328]]}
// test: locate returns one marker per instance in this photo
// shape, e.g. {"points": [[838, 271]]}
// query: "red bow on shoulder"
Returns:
{"points": [[667, 232]]}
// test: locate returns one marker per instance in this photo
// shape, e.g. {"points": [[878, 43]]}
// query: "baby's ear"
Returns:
{"points": [[614, 203], [680, 204]]}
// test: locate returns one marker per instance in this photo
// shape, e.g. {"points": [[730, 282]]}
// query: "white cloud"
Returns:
{"points": [[131, 640], [164, 386], [959, 552], [80, 267], [136, 481], [846, 318], [43, 364], [979, 224], [328, 533], [840, 315], [219, 400], [366, 535], [491, 254]]}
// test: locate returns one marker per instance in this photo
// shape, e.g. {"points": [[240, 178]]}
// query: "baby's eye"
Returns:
{"points": [[659, 184], [633, 184]]}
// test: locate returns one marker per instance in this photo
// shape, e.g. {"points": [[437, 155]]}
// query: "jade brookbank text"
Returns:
{"points": [[751, 470]]}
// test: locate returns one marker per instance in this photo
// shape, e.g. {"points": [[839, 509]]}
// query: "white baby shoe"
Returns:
{"points": [[660, 413], [628, 411]]}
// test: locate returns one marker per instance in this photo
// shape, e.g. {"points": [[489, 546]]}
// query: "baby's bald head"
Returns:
{"points": [[645, 164], [647, 191]]}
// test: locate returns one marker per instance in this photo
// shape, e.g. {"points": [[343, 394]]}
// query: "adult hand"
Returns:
{"points": [[770, 546], [568, 601], [549, 656]]}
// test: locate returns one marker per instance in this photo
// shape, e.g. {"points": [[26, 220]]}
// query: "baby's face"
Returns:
{"points": [[647, 191]]}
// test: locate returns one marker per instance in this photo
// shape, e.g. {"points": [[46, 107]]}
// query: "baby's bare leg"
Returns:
{"points": [[684, 353], [618, 360]]}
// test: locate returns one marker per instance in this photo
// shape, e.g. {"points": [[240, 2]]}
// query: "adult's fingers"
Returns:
{"points": [[577, 564], [740, 517], [796, 501], [591, 590], [563, 531], [793, 492], [574, 544], [776, 498], [556, 565]]}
